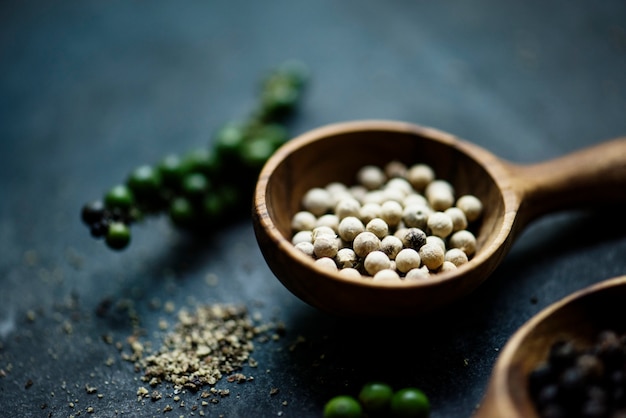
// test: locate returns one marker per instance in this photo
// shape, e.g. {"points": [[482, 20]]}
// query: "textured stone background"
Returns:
{"points": [[91, 89]]}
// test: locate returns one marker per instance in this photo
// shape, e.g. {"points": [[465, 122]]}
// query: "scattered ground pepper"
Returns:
{"points": [[205, 345]]}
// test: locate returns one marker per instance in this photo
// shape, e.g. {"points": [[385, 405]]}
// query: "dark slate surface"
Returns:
{"points": [[89, 90]]}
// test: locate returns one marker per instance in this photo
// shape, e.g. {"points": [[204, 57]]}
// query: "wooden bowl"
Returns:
{"points": [[512, 195], [335, 153], [577, 318]]}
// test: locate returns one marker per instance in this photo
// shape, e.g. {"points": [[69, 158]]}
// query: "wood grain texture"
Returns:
{"points": [[512, 196]]}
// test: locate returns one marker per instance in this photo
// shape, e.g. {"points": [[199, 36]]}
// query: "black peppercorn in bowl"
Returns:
{"points": [[510, 196], [568, 359]]}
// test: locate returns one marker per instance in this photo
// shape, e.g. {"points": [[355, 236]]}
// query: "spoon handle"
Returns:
{"points": [[592, 176]]}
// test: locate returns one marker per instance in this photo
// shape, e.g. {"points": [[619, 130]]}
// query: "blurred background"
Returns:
{"points": [[89, 90]]}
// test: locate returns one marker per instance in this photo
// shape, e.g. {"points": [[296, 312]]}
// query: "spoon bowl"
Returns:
{"points": [[512, 195], [578, 318]]}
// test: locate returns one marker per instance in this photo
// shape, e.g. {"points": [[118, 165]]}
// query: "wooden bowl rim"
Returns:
{"points": [[522, 333]]}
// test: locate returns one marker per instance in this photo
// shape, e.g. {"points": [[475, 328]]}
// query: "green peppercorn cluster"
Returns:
{"points": [[378, 399], [207, 186]]}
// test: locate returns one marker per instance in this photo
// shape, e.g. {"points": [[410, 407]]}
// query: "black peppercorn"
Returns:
{"points": [[587, 382]]}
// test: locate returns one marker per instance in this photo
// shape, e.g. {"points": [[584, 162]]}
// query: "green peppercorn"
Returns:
{"points": [[281, 90], [205, 186], [145, 183], [272, 131], [181, 212], [200, 160], [280, 99], [254, 153], [376, 397], [119, 197], [118, 235], [343, 406], [195, 185], [172, 170], [227, 141], [410, 403]]}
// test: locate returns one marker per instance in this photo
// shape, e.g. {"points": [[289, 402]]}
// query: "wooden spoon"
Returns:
{"points": [[577, 318], [512, 195]]}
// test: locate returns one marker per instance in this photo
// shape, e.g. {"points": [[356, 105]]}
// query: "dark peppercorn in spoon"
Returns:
{"points": [[589, 322]]}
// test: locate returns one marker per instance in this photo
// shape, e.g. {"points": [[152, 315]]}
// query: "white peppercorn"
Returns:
{"points": [[330, 220], [432, 256], [391, 212], [349, 227], [371, 176], [437, 240], [407, 259], [456, 256], [465, 240], [440, 224], [365, 243], [337, 192], [400, 232], [395, 168], [400, 183], [346, 258], [416, 216], [302, 236], [417, 274], [392, 194], [440, 195], [459, 220], [350, 272], [318, 231], [306, 247], [447, 266], [337, 187], [420, 175], [348, 206], [471, 205], [386, 275], [376, 261], [326, 263], [413, 238], [303, 220], [387, 213], [378, 227], [325, 246], [391, 245], [369, 211], [414, 199], [358, 192], [317, 201], [374, 196]]}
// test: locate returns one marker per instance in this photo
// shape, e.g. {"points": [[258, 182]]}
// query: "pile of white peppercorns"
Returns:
{"points": [[397, 222]]}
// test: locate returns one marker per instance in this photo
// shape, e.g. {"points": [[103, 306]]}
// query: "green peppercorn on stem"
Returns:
{"points": [[207, 186]]}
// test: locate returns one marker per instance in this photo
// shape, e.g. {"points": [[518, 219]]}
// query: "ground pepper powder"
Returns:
{"points": [[205, 345]]}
